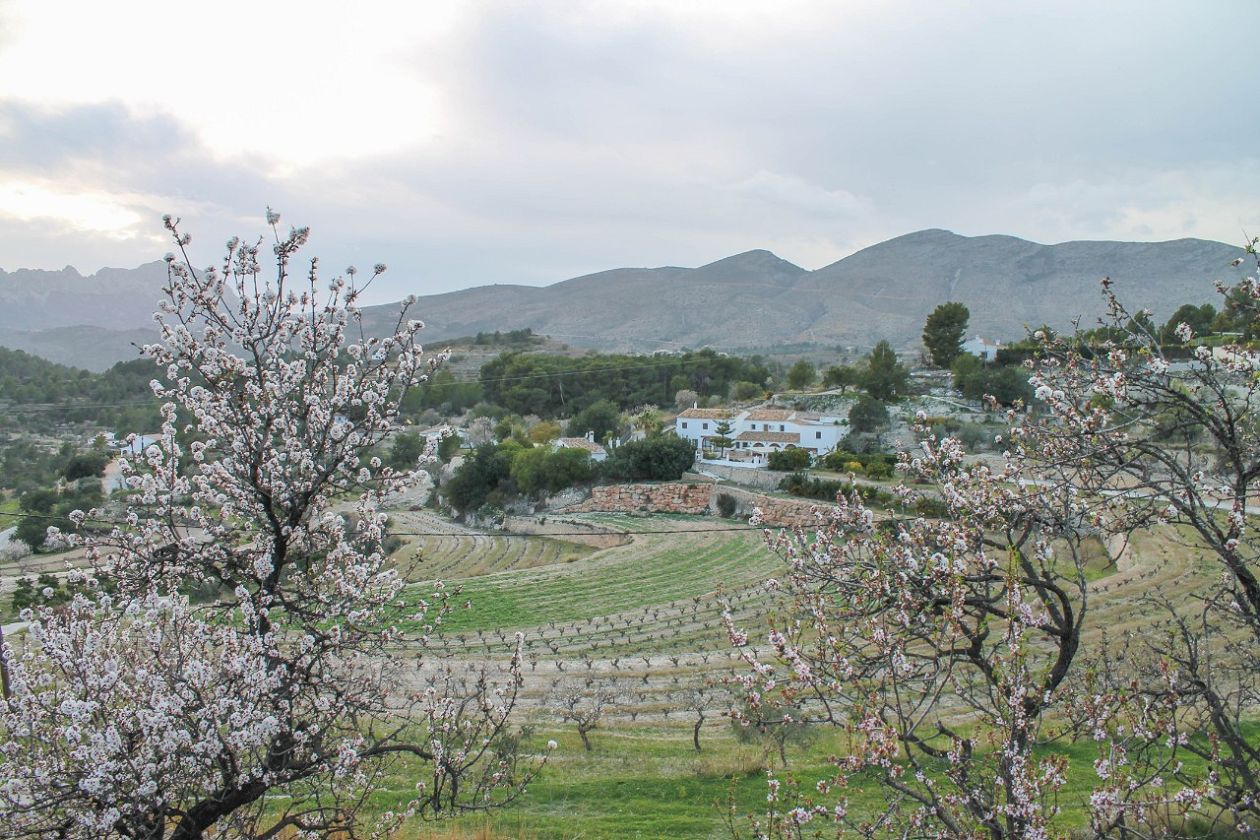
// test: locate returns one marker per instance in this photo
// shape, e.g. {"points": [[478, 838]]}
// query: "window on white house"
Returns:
{"points": [[684, 425], [817, 435], [780, 427], [705, 426]]}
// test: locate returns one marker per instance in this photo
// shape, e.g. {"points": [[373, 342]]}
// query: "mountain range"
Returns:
{"points": [[749, 300]]}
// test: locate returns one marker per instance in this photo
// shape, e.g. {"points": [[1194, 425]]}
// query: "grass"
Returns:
{"points": [[648, 782]]}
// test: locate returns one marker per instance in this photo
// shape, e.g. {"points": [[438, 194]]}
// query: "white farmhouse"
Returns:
{"points": [[765, 430], [760, 431]]}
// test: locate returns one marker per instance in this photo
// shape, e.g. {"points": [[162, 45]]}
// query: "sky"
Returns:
{"points": [[467, 143]]}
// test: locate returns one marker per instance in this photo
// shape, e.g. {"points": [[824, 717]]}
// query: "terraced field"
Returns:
{"points": [[637, 627], [625, 610], [461, 552], [643, 619], [639, 620], [652, 569]]}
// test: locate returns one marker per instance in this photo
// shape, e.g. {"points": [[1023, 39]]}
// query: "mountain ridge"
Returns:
{"points": [[754, 298]]}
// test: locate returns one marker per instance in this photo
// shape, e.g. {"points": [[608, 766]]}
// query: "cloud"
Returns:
{"points": [[1208, 201], [84, 211], [797, 194], [307, 78], [484, 142]]}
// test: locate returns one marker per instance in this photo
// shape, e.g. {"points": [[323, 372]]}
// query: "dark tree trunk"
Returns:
{"points": [[5, 690]]}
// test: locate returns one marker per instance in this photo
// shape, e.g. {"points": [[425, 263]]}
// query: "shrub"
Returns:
{"points": [[726, 505], [85, 465], [660, 458], [799, 484], [542, 470], [843, 460], [878, 468], [974, 380], [976, 435], [788, 460]]}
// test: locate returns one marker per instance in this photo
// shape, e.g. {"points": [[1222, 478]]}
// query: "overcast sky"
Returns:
{"points": [[469, 143]]}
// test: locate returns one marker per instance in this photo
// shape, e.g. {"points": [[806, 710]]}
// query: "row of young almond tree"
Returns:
{"points": [[947, 650]]}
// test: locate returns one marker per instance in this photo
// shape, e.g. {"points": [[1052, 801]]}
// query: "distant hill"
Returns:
{"points": [[113, 298], [746, 300], [884, 291], [89, 347]]}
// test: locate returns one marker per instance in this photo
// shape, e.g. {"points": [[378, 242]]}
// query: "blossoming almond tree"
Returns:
{"points": [[1179, 440], [939, 647], [278, 704]]}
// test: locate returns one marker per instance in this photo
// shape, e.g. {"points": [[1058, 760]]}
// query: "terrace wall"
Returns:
{"points": [[696, 498], [652, 498]]}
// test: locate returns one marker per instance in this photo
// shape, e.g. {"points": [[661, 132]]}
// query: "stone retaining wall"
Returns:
{"points": [[652, 498], [696, 498]]}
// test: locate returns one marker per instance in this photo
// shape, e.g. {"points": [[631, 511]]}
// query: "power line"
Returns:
{"points": [[459, 535], [75, 405]]}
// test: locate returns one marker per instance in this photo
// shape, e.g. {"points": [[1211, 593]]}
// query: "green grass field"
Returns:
{"points": [[649, 782]]}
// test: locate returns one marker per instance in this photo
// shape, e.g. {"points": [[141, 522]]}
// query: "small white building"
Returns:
{"points": [[982, 349], [598, 453]]}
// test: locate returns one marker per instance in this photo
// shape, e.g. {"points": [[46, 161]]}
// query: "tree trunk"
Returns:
{"points": [[695, 734], [5, 691], [586, 742]]}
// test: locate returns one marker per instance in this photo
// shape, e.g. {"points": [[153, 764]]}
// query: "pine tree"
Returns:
{"points": [[886, 378], [943, 333]]}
